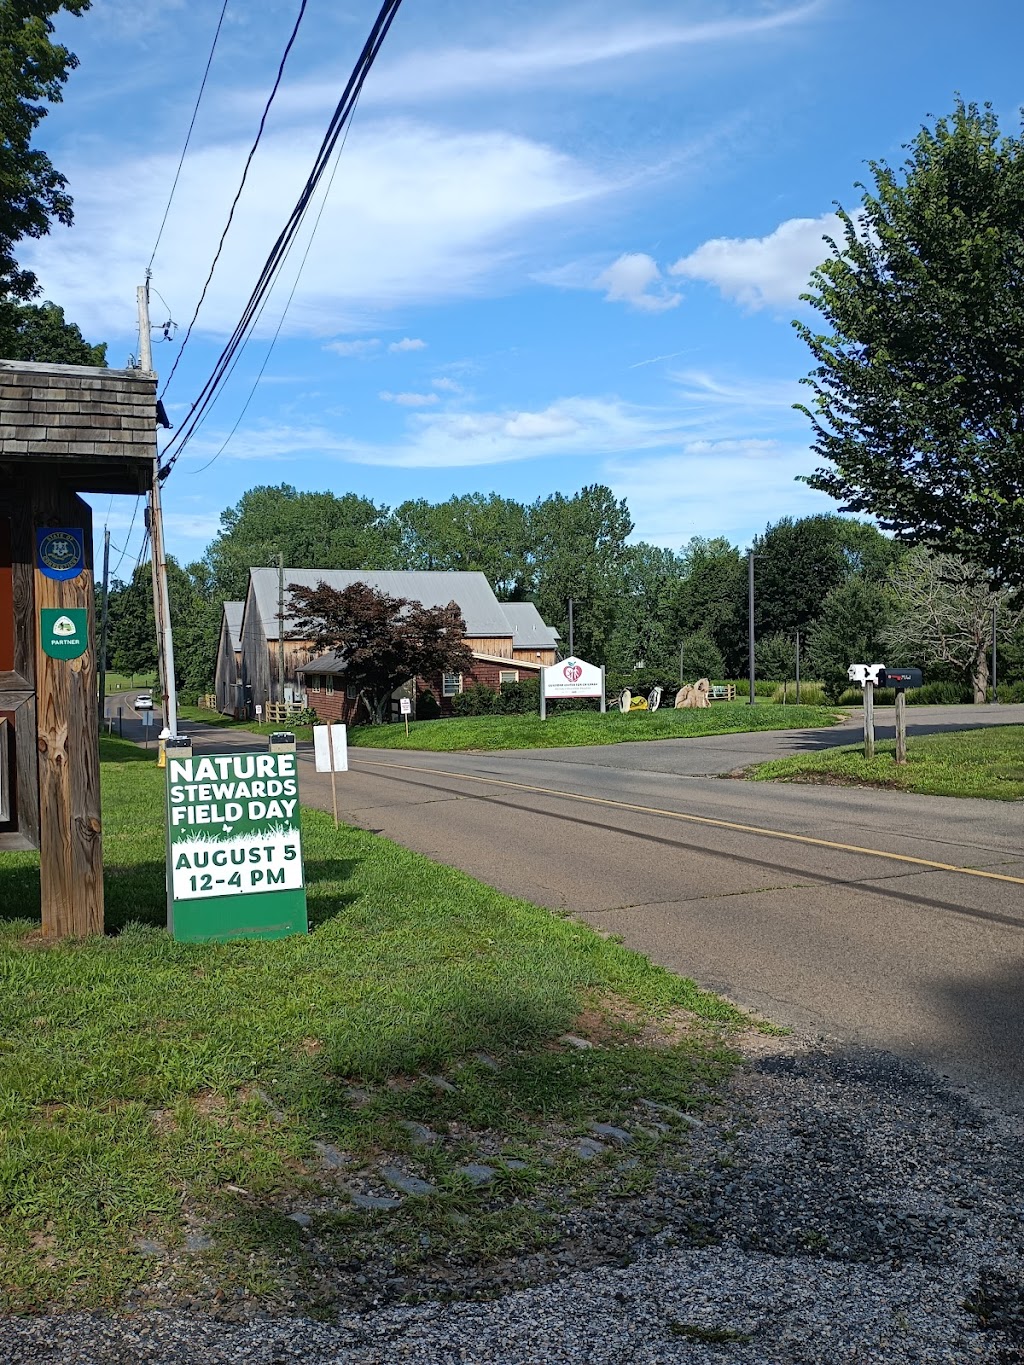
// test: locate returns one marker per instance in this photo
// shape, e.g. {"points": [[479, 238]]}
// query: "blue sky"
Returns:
{"points": [[564, 243]]}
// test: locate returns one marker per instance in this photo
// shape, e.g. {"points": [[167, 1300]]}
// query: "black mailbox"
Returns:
{"points": [[902, 678]]}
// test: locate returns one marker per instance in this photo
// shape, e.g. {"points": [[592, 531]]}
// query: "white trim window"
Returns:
{"points": [[352, 691], [508, 675], [314, 682], [329, 680], [451, 684]]}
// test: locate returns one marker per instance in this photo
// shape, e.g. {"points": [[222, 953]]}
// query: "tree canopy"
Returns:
{"points": [[382, 640], [918, 387]]}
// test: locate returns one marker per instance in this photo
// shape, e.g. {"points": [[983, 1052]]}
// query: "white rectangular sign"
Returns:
{"points": [[573, 678], [405, 705], [324, 744]]}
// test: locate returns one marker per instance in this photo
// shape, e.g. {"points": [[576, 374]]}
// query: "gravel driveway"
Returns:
{"points": [[837, 1207]]}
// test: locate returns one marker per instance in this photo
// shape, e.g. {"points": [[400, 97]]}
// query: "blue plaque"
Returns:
{"points": [[60, 552]]}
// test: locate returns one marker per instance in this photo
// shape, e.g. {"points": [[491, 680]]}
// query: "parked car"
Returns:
{"points": [[144, 703]]}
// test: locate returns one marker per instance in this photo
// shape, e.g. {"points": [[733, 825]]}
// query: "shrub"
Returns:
{"points": [[427, 706], [519, 698], [701, 657], [641, 681], [1011, 692], [940, 694], [476, 700]]}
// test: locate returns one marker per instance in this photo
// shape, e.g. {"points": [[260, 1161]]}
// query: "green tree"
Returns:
{"points": [[710, 598], [849, 630], [475, 531], [918, 380], [579, 551], [775, 657], [642, 636], [39, 331], [312, 530], [195, 625], [702, 658], [797, 564], [33, 70]]}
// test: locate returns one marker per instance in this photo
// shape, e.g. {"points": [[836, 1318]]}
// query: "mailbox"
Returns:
{"points": [[902, 678]]}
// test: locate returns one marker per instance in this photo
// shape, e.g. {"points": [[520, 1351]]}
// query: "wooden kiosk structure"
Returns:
{"points": [[64, 430]]}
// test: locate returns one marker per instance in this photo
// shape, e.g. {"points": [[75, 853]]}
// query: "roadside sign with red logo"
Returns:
{"points": [[573, 678]]}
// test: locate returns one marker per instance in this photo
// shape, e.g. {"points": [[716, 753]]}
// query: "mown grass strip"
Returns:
{"points": [[574, 728], [986, 763], [147, 1086]]}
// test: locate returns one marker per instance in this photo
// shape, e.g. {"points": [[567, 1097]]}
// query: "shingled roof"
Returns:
{"points": [[97, 427]]}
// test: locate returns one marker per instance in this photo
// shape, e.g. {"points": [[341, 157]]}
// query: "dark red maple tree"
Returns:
{"points": [[382, 640]]}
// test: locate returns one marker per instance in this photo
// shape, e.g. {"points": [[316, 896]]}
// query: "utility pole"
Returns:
{"points": [[103, 624], [750, 618], [280, 625], [572, 649], [161, 602]]}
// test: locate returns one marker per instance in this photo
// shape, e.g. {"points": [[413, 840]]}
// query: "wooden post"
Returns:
{"points": [[67, 723], [869, 719], [901, 726]]}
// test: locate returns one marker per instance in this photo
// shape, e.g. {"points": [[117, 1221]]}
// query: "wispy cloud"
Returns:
{"points": [[354, 348], [761, 272], [446, 385], [408, 344], [409, 400]]}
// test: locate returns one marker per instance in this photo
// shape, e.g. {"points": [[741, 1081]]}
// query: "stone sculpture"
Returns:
{"points": [[694, 696]]}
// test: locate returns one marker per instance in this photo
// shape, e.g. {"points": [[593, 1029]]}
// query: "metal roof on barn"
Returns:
{"points": [[528, 628], [233, 616], [482, 611]]}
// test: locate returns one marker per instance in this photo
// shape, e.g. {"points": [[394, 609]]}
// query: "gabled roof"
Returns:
{"points": [[481, 609], [528, 628], [233, 618]]}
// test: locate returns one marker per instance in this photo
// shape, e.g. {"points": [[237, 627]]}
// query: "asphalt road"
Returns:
{"points": [[854, 913]]}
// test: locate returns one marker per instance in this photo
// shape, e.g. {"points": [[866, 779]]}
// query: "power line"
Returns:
{"points": [[279, 252], [284, 311], [241, 186], [188, 137], [131, 528]]}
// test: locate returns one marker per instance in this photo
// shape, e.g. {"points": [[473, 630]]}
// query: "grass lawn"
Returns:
{"points": [[165, 1107], [588, 727], [987, 763]]}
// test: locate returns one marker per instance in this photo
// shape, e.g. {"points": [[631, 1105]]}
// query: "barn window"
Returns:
{"points": [[314, 682], [508, 675], [451, 684], [352, 691], [330, 682]]}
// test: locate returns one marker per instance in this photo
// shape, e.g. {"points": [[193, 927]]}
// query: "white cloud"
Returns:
{"points": [[408, 344], [632, 278], [446, 385], [761, 272], [353, 348], [419, 214], [409, 400]]}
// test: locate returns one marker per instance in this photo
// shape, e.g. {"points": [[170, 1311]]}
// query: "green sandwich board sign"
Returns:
{"points": [[234, 847]]}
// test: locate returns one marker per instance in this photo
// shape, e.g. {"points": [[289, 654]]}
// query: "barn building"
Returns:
{"points": [[509, 640]]}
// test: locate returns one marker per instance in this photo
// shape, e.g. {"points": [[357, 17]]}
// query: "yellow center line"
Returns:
{"points": [[702, 820]]}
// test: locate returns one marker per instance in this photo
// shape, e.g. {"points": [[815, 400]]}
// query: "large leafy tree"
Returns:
{"points": [[579, 551], [849, 630], [31, 331], [710, 599], [382, 640], [642, 635], [311, 530], [33, 70], [474, 531], [918, 387], [195, 623]]}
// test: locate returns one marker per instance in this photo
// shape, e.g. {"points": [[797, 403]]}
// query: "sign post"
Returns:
{"points": [[570, 678], [405, 706], [330, 755], [234, 848]]}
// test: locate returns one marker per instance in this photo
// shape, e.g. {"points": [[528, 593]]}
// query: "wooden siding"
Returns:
{"points": [[227, 674], [490, 644], [544, 657]]}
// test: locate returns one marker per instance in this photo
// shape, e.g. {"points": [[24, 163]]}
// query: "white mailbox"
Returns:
{"points": [[866, 673]]}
